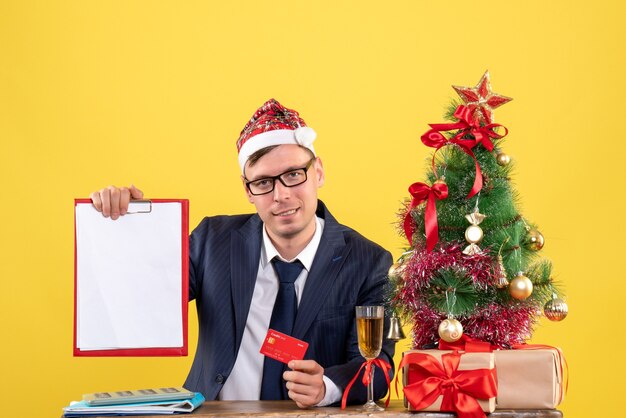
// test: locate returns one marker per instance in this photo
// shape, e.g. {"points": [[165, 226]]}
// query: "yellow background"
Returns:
{"points": [[94, 93]]}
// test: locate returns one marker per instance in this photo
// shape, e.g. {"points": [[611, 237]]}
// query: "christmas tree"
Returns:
{"points": [[473, 266]]}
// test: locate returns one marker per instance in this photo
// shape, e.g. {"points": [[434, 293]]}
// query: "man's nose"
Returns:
{"points": [[280, 191]]}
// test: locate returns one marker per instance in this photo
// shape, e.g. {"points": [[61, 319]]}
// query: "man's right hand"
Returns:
{"points": [[113, 201]]}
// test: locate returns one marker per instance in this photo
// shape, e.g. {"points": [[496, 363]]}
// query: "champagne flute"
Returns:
{"points": [[369, 320]]}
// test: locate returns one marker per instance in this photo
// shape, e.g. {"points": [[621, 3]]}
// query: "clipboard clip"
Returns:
{"points": [[139, 206]]}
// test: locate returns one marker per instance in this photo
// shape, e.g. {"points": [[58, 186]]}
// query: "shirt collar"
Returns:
{"points": [[306, 256]]}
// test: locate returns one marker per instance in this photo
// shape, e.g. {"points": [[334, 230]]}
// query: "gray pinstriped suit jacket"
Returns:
{"points": [[348, 270]]}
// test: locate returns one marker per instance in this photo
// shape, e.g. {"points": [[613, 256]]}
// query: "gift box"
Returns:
{"points": [[530, 378], [451, 381]]}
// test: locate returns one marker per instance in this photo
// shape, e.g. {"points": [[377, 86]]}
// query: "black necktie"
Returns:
{"points": [[283, 317]]}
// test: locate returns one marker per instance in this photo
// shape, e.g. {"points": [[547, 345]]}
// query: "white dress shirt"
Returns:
{"points": [[244, 382]]}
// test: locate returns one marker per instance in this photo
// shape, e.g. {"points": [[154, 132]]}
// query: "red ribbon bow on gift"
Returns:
{"points": [[472, 345], [459, 388], [422, 192], [368, 364]]}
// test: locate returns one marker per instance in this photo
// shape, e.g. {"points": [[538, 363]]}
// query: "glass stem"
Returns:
{"points": [[370, 387]]}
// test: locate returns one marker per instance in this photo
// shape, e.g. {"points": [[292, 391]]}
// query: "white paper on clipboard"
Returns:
{"points": [[128, 278]]}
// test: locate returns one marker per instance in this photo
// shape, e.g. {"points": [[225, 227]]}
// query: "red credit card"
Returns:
{"points": [[282, 347]]}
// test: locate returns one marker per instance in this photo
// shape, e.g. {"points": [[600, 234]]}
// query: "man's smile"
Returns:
{"points": [[287, 212]]}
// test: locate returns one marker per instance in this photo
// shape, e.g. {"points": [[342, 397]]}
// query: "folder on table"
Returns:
{"points": [[180, 406], [131, 280]]}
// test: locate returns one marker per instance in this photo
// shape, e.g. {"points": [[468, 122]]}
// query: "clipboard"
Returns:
{"points": [[131, 280]]}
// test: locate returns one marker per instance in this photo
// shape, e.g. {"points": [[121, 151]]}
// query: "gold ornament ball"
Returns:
{"points": [[535, 240], [441, 180], [520, 287], [474, 234], [450, 330], [503, 159], [555, 309]]}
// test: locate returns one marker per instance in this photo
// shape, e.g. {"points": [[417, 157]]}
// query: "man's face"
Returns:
{"points": [[288, 212]]}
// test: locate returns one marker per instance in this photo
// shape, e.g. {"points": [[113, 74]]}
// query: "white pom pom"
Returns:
{"points": [[305, 136]]}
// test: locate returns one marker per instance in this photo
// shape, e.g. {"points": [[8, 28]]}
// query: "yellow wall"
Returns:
{"points": [[153, 92]]}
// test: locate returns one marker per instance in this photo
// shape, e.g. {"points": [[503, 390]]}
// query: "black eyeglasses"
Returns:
{"points": [[289, 178]]}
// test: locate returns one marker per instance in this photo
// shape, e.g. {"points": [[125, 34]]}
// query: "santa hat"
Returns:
{"points": [[273, 124]]}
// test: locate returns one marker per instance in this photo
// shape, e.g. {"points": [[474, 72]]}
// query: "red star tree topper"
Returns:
{"points": [[481, 100]]}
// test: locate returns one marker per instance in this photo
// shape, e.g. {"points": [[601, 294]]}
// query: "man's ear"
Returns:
{"points": [[319, 172], [249, 195]]}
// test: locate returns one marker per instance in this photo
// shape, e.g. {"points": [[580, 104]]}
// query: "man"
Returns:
{"points": [[237, 271]]}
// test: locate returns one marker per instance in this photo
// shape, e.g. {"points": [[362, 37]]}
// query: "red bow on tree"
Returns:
{"points": [[422, 192], [466, 125], [435, 139], [459, 388]]}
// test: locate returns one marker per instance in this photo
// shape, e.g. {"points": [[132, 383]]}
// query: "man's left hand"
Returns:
{"points": [[305, 382]]}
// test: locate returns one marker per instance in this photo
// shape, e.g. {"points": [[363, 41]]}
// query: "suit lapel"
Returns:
{"points": [[330, 256], [245, 253]]}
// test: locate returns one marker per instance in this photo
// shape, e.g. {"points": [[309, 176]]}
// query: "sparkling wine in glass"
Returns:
{"points": [[369, 322]]}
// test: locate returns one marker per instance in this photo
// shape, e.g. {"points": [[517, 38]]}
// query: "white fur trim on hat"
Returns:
{"points": [[303, 136]]}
